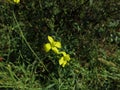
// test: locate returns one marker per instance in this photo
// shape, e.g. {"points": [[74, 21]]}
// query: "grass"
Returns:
{"points": [[93, 45]]}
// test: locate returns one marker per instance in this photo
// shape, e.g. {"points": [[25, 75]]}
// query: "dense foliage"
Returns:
{"points": [[89, 30]]}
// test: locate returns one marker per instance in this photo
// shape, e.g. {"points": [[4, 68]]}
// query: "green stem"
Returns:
{"points": [[22, 35]]}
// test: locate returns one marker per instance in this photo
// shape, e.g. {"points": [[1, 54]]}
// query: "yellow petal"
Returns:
{"points": [[51, 40], [61, 60], [64, 53], [55, 50], [16, 1], [67, 57], [64, 63], [47, 47], [57, 44]]}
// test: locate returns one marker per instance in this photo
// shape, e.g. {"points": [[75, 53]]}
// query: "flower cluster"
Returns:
{"points": [[55, 46]]}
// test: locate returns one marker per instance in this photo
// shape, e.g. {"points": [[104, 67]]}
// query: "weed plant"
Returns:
{"points": [[88, 30]]}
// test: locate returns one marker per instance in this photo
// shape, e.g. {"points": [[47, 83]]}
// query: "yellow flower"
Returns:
{"points": [[52, 45], [64, 59], [16, 1]]}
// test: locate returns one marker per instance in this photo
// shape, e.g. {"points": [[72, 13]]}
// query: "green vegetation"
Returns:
{"points": [[88, 30]]}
